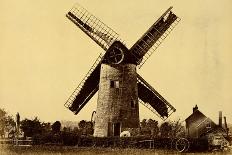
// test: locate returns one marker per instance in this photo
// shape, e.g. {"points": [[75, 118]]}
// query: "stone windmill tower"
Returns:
{"points": [[120, 88]]}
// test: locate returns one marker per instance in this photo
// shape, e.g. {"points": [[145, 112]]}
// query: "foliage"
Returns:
{"points": [[67, 129], [86, 127], [31, 127], [178, 130], [165, 129], [149, 127], [172, 129], [76, 130], [56, 127], [48, 138], [45, 133], [7, 122], [69, 138], [46, 127]]}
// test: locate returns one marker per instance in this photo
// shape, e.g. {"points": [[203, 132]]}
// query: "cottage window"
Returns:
{"points": [[208, 125]]}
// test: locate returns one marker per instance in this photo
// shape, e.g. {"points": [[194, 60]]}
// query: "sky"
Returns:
{"points": [[44, 56]]}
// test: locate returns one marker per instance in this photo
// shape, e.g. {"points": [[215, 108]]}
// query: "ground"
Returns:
{"points": [[61, 150]]}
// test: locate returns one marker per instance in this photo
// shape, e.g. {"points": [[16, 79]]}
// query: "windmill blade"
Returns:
{"points": [[150, 98], [92, 26], [154, 36], [86, 89]]}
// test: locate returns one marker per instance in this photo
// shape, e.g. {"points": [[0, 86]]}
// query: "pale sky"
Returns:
{"points": [[44, 56]]}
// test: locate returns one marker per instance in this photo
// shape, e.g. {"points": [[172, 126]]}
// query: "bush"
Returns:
{"points": [[70, 139], [48, 138]]}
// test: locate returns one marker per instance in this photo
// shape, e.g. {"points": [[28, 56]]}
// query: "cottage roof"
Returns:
{"points": [[196, 113]]}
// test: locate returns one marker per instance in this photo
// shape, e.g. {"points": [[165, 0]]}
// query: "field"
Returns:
{"points": [[61, 150]]}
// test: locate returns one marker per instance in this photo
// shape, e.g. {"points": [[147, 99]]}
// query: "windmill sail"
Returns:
{"points": [[150, 98], [150, 41], [86, 89], [93, 27]]}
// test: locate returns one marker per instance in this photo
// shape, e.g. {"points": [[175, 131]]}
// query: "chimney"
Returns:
{"points": [[220, 119], [195, 108]]}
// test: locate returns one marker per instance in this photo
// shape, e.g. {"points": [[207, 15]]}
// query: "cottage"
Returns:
{"points": [[199, 126]]}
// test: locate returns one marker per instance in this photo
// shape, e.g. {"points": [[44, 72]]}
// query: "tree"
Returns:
{"points": [[165, 129], [172, 129], [143, 124], [2, 122], [89, 128], [76, 130], [153, 127], [46, 127], [7, 122], [31, 127], [86, 127], [149, 127], [56, 127], [82, 124], [10, 124], [178, 129], [67, 129]]}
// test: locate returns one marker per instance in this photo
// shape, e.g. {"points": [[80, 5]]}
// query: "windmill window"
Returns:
{"points": [[111, 84], [114, 84]]}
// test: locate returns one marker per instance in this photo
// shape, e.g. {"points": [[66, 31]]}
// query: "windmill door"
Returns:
{"points": [[116, 129]]}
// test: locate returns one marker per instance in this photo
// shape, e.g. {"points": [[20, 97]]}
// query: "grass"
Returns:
{"points": [[64, 150]]}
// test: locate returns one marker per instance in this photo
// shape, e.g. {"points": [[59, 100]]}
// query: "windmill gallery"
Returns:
{"points": [[120, 88]]}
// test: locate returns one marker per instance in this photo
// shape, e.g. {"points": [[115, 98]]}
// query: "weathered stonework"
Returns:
{"points": [[117, 100]]}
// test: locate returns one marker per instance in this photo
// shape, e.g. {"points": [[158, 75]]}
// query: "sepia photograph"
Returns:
{"points": [[115, 77]]}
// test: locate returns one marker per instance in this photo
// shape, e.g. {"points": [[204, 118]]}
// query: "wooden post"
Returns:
{"points": [[17, 128]]}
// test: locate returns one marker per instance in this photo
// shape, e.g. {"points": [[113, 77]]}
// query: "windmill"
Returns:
{"points": [[113, 74]]}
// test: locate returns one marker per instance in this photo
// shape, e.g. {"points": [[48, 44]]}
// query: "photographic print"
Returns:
{"points": [[115, 77]]}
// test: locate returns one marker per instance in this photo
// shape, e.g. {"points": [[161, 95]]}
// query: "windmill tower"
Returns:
{"points": [[120, 88]]}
